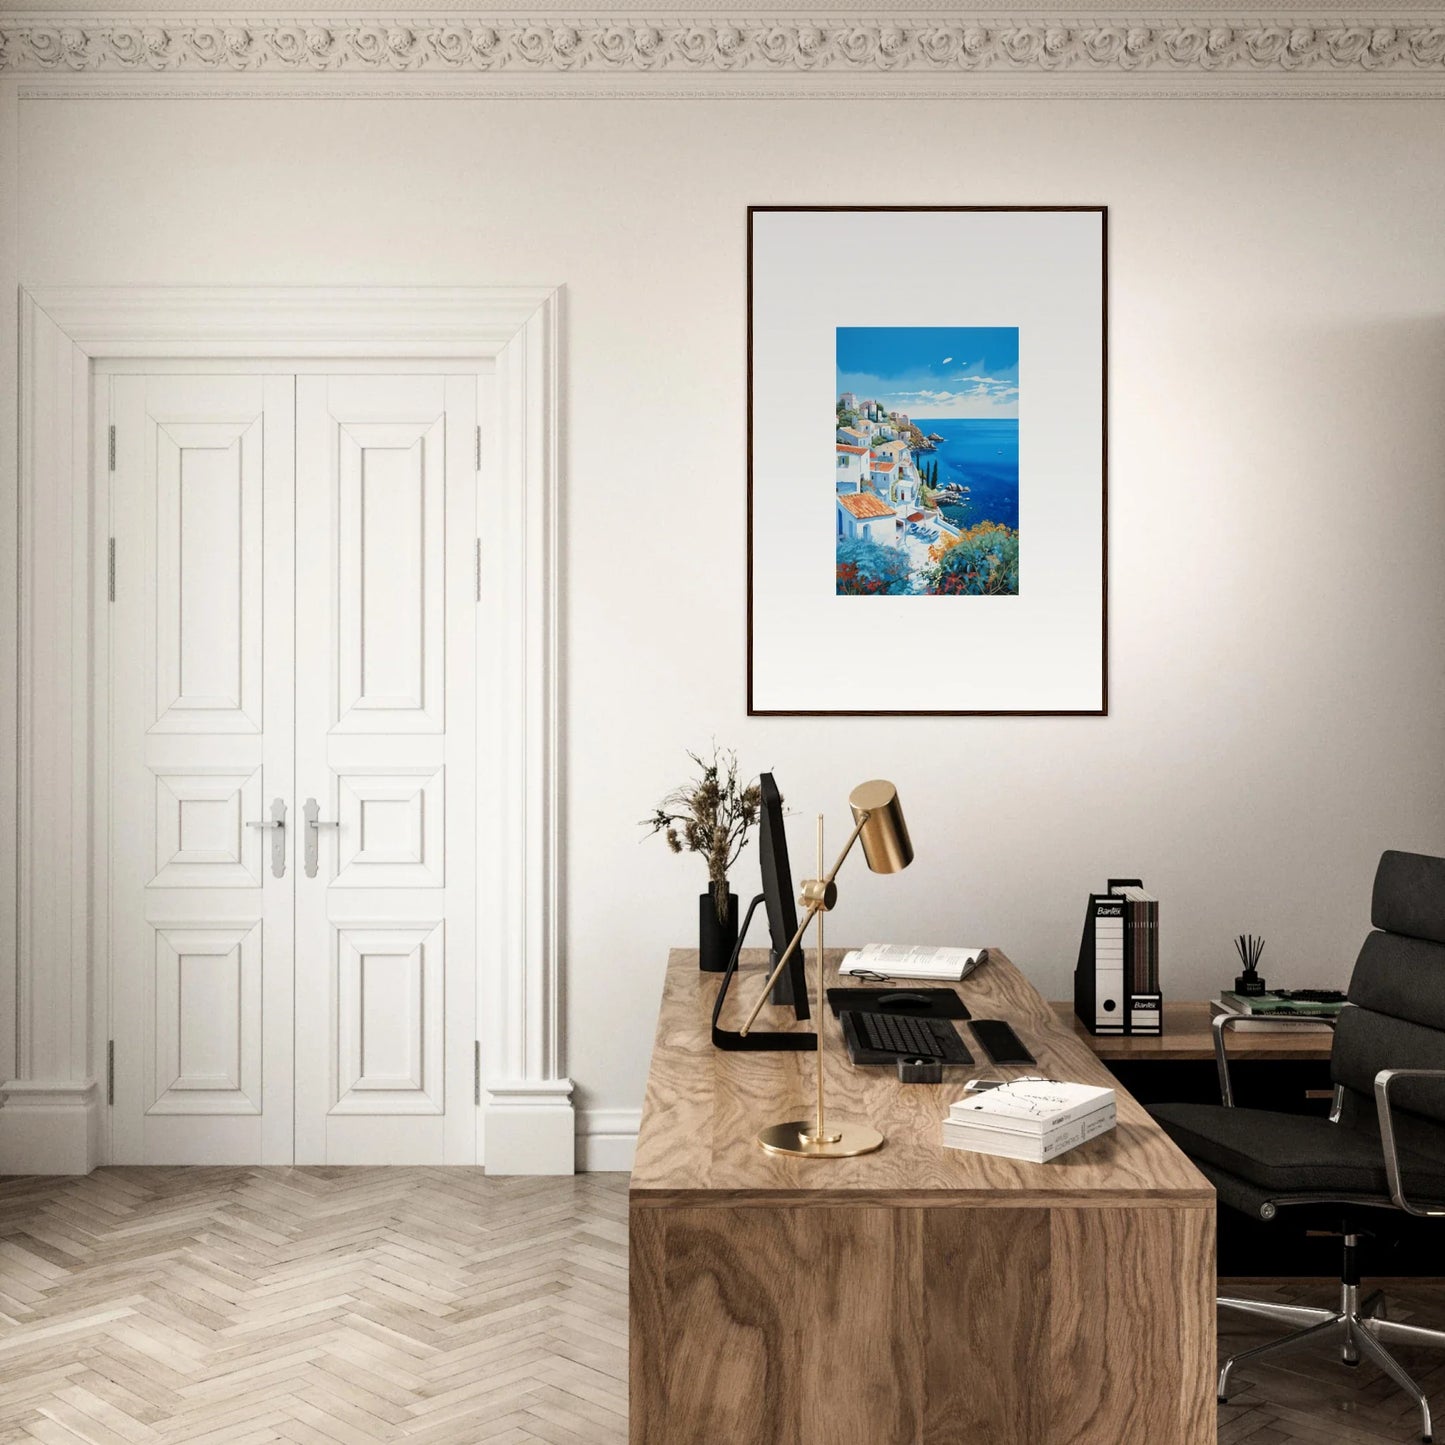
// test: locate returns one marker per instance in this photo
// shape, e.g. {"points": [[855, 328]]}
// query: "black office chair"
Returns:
{"points": [[1381, 1151]]}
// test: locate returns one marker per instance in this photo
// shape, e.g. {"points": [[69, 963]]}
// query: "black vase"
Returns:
{"points": [[716, 939]]}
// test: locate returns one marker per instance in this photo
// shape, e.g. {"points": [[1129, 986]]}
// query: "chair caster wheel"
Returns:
{"points": [[1353, 1364], [1221, 1399]]}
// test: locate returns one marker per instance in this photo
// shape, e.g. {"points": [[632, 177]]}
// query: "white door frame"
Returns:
{"points": [[53, 1099]]}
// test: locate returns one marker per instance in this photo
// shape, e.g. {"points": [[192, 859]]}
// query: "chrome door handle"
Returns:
{"points": [[276, 821], [314, 825]]}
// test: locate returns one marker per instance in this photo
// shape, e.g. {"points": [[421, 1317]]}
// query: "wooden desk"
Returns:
{"points": [[919, 1295], [1187, 1037]]}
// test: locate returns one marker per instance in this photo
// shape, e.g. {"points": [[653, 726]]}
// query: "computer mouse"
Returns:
{"points": [[902, 1000]]}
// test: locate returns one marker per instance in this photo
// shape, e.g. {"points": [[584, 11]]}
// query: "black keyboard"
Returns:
{"points": [[891, 1036]]}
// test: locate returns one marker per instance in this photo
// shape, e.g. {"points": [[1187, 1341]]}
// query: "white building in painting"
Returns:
{"points": [[848, 401], [852, 467], [866, 517], [905, 473], [883, 471]]}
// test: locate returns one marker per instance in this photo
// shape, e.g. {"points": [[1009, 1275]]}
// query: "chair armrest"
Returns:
{"points": [[1383, 1080], [1222, 1023]]}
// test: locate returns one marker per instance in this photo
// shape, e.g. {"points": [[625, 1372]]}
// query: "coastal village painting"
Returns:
{"points": [[927, 461]]}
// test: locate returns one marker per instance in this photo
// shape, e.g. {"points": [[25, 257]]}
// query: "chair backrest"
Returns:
{"points": [[1397, 993]]}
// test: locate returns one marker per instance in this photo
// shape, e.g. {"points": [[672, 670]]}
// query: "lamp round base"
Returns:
{"points": [[795, 1138]]}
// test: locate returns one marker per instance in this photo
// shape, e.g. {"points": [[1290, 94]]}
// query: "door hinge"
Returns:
{"points": [[479, 449], [110, 1072], [111, 447], [477, 1072], [110, 569]]}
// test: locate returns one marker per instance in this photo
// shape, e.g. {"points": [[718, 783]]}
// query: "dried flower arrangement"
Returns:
{"points": [[712, 815]]}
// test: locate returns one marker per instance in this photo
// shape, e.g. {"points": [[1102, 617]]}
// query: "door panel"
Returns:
{"points": [[208, 576], [390, 607], [385, 735], [201, 929]]}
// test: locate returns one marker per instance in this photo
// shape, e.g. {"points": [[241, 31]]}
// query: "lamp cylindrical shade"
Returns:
{"points": [[885, 840]]}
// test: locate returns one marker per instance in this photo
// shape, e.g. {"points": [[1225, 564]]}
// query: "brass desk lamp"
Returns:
{"points": [[878, 823]]}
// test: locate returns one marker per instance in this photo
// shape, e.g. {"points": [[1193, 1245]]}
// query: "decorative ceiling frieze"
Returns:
{"points": [[1412, 47]]}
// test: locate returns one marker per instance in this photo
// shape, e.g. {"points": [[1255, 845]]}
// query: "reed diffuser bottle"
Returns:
{"points": [[1249, 948]]}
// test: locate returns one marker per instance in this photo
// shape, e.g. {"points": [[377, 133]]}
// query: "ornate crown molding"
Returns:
{"points": [[761, 46]]}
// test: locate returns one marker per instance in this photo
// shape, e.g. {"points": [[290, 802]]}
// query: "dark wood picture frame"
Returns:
{"points": [[1103, 709]]}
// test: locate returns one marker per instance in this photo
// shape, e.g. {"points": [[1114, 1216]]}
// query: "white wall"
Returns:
{"points": [[1277, 482]]}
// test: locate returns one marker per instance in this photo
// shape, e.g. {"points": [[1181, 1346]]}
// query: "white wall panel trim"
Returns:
{"points": [[50, 1128], [530, 1127], [827, 54], [607, 1140]]}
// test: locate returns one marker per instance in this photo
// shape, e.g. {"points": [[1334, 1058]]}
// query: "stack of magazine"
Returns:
{"points": [[1033, 1119], [1275, 1012]]}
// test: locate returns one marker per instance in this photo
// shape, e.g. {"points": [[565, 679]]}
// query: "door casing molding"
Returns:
{"points": [[51, 1119]]}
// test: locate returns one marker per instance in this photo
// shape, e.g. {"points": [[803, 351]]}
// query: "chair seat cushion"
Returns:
{"points": [[1293, 1153]]}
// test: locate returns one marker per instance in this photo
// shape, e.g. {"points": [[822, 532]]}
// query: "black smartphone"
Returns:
{"points": [[1000, 1042]]}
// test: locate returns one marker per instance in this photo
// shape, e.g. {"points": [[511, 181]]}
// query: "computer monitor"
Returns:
{"points": [[791, 987], [777, 900]]}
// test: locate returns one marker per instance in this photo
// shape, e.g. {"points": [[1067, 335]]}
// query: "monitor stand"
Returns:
{"points": [[756, 1040]]}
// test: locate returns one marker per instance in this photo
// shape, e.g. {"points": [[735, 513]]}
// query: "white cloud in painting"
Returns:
{"points": [[959, 386], [973, 396]]}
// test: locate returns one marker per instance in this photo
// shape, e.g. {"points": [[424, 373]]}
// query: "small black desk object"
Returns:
{"points": [[1000, 1042]]}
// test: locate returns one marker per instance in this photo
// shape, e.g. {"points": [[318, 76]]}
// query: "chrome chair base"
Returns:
{"points": [[1359, 1326]]}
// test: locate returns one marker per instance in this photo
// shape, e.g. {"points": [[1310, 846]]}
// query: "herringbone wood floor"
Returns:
{"points": [[346, 1306], [322, 1306]]}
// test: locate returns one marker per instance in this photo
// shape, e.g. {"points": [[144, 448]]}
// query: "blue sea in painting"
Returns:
{"points": [[981, 455]]}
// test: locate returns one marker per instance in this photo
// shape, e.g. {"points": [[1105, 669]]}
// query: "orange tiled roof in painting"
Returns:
{"points": [[864, 505], [857, 451]]}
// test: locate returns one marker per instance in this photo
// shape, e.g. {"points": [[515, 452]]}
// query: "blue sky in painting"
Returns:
{"points": [[933, 371]]}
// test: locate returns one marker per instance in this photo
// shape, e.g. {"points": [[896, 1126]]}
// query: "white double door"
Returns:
{"points": [[292, 814]]}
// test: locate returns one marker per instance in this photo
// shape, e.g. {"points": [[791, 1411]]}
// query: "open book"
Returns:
{"points": [[900, 960]]}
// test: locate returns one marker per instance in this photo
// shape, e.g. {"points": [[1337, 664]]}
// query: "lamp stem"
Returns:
{"points": [[822, 1001]]}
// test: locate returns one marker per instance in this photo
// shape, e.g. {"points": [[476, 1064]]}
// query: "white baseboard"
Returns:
{"points": [[607, 1140], [530, 1128], [49, 1128]]}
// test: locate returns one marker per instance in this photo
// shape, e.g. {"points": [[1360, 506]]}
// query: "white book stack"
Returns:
{"points": [[1032, 1119]]}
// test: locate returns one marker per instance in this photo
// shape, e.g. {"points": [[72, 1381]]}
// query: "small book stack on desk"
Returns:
{"points": [[1032, 1119], [1281, 1011]]}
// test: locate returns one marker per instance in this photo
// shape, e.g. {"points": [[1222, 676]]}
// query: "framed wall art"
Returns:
{"points": [[927, 460]]}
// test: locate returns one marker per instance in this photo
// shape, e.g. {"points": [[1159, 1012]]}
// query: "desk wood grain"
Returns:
{"points": [[919, 1295], [704, 1106]]}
